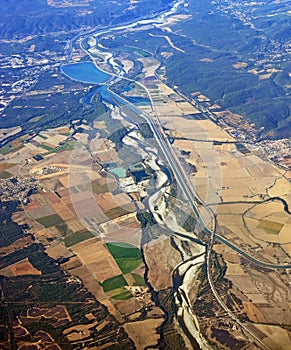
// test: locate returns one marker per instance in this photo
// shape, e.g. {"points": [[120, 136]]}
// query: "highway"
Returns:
{"points": [[180, 175], [179, 172], [188, 190], [190, 193]]}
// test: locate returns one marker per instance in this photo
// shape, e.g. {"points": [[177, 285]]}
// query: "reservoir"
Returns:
{"points": [[85, 72], [120, 172]]}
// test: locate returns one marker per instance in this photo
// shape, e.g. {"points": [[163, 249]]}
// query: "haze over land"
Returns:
{"points": [[145, 175]]}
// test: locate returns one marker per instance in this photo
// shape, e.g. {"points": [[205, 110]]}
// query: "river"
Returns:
{"points": [[188, 319]]}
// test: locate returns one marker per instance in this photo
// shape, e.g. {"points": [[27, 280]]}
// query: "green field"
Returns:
{"points": [[50, 220], [270, 227], [138, 280], [127, 256], [10, 147], [47, 148], [77, 237], [5, 174], [63, 229], [125, 294], [68, 146], [114, 283]]}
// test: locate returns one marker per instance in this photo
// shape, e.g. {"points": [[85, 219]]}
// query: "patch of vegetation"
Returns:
{"points": [[127, 256], [225, 338], [270, 227], [138, 280], [146, 131], [265, 102], [77, 237], [99, 188], [63, 229], [129, 155], [47, 148], [189, 223], [42, 136], [114, 283], [5, 174], [67, 146], [123, 295], [146, 218], [10, 231], [170, 337], [117, 137], [61, 108], [10, 147], [35, 119], [114, 213], [50, 220]]}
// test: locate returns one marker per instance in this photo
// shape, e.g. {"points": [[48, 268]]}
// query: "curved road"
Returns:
{"points": [[187, 188], [167, 148]]}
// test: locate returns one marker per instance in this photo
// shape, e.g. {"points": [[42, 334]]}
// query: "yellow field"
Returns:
{"points": [[161, 259], [254, 314], [276, 337], [234, 269], [144, 333], [63, 211], [93, 254], [193, 129], [281, 189], [125, 234], [269, 222], [57, 249]]}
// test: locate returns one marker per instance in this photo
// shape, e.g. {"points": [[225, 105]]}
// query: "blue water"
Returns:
{"points": [[120, 172], [137, 100], [106, 95], [140, 175], [85, 72]]}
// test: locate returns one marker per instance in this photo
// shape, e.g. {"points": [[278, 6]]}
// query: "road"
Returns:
{"points": [[178, 170], [184, 182], [191, 194], [188, 190]]}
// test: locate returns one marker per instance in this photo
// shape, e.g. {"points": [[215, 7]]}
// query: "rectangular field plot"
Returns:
{"points": [[77, 237], [114, 283], [51, 220], [270, 227], [127, 256], [96, 257]]}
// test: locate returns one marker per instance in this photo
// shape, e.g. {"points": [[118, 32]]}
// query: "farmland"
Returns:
{"points": [[51, 220], [58, 216], [247, 195], [128, 257], [114, 283], [100, 247], [77, 237]]}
